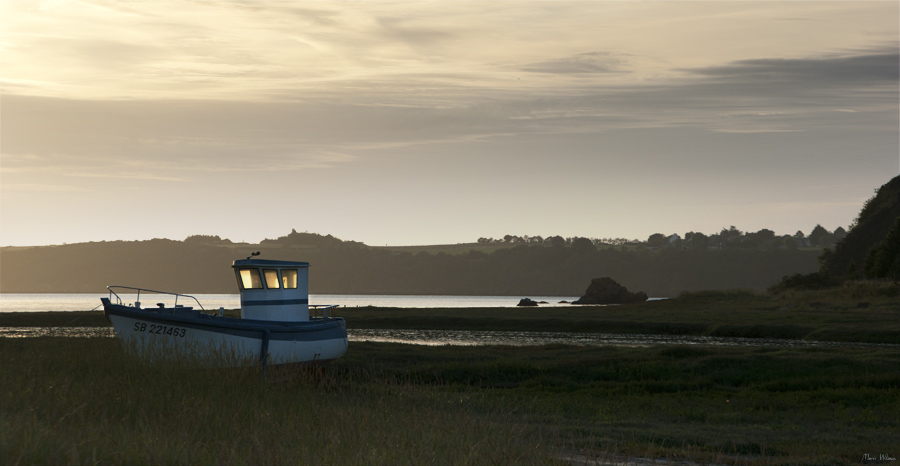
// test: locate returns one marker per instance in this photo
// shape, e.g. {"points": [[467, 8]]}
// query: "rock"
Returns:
{"points": [[527, 302], [605, 290]]}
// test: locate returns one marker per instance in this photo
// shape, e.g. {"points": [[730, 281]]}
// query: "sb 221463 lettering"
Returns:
{"points": [[159, 329]]}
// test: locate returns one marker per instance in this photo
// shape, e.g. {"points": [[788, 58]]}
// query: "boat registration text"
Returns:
{"points": [[159, 329]]}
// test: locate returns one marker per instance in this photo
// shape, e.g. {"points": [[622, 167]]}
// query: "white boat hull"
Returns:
{"points": [[227, 341]]}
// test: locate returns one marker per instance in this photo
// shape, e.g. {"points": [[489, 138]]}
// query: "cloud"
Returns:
{"points": [[42, 188], [583, 63], [165, 140], [330, 127], [415, 36], [849, 70], [763, 95]]}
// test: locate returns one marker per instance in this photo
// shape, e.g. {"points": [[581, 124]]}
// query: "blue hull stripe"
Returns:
{"points": [[329, 329], [274, 302]]}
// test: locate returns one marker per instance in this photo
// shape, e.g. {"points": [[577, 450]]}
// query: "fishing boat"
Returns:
{"points": [[275, 326]]}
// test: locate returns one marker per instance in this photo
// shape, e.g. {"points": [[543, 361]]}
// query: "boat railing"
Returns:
{"points": [[324, 308], [145, 290]]}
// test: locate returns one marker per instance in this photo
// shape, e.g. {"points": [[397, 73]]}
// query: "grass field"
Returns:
{"points": [[74, 401], [83, 400]]}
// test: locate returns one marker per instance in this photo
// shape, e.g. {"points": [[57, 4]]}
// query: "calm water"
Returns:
{"points": [[476, 338], [39, 302], [479, 338], [90, 301]]}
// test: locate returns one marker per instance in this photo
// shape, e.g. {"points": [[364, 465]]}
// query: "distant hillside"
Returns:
{"points": [[201, 264], [875, 221], [159, 264]]}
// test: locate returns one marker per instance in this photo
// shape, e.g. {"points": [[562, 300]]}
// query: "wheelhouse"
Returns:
{"points": [[273, 290]]}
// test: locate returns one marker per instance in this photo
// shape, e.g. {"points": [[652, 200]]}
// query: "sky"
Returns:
{"points": [[440, 122]]}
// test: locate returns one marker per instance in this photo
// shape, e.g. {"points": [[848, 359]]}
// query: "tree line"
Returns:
{"points": [[732, 238]]}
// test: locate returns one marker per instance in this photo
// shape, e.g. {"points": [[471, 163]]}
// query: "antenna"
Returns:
{"points": [[253, 254]]}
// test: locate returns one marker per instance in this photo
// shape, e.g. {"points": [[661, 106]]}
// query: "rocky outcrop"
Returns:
{"points": [[605, 290], [527, 302]]}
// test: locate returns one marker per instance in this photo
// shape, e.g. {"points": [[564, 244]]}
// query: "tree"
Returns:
{"points": [[838, 234], [760, 239], [657, 240], [583, 246], [789, 242], [872, 226], [556, 241], [765, 234], [731, 236], [883, 260], [206, 239], [696, 241], [801, 239], [820, 236], [731, 233]]}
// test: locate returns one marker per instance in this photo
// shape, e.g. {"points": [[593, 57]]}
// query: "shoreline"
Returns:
{"points": [[496, 338], [719, 315]]}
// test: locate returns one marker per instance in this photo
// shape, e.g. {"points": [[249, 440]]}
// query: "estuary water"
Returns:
{"points": [[491, 337], [44, 302], [91, 301]]}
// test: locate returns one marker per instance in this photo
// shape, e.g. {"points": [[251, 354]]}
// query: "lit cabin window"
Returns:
{"points": [[289, 278], [271, 279], [250, 279]]}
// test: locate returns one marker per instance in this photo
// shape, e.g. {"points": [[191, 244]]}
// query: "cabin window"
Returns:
{"points": [[289, 278], [271, 279], [250, 279]]}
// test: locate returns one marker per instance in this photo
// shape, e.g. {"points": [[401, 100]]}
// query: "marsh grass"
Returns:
{"points": [[704, 404], [74, 401]]}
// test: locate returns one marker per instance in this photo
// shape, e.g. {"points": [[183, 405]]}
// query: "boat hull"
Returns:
{"points": [[224, 341]]}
